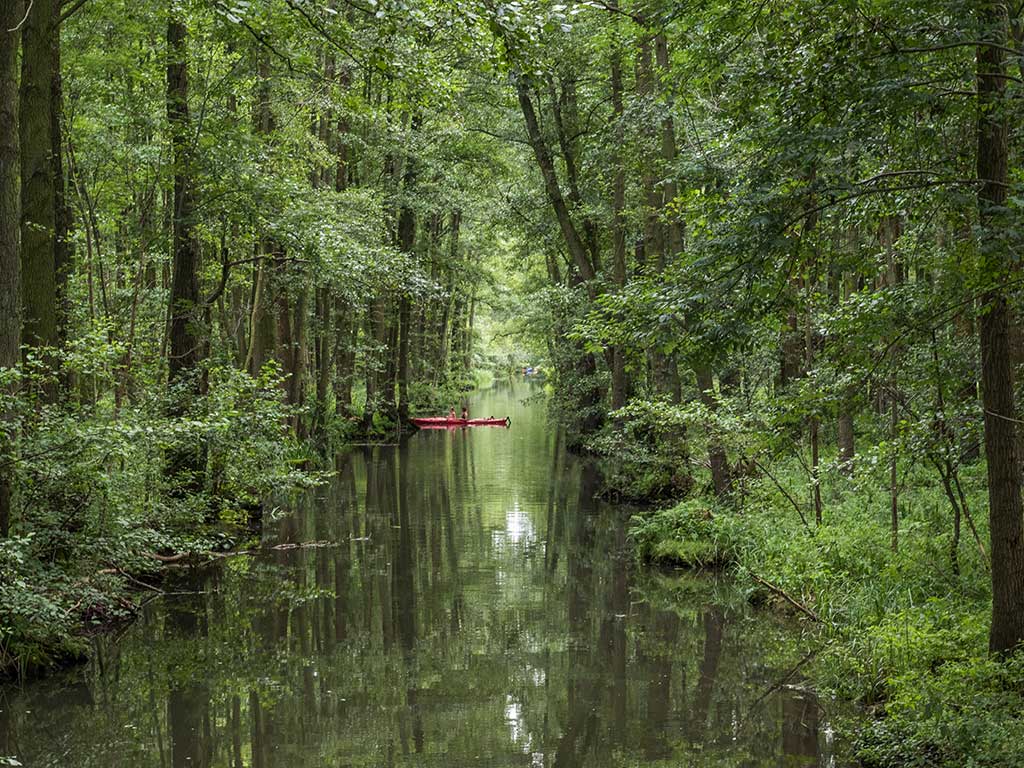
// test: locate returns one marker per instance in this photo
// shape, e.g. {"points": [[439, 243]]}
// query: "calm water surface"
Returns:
{"points": [[478, 608]]}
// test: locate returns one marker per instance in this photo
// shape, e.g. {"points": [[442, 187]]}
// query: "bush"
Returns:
{"points": [[644, 452], [94, 500], [685, 535]]}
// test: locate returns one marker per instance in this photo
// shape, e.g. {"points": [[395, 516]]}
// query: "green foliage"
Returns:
{"points": [[645, 452], [962, 713], [681, 535], [95, 502], [908, 636]]}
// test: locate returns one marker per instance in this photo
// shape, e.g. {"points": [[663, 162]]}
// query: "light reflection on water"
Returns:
{"points": [[480, 608]]}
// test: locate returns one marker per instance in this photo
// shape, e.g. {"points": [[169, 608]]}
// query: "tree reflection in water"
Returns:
{"points": [[481, 609]]}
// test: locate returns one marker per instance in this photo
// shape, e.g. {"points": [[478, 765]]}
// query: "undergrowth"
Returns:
{"points": [[96, 502], [907, 629]]}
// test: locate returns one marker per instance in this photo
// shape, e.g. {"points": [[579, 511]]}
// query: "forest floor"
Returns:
{"points": [[907, 629]]}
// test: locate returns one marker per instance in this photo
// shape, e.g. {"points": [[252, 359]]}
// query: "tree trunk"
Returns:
{"points": [[262, 326], [297, 357], [185, 332], [541, 151], [323, 356], [620, 385], [1004, 477], [717, 459], [372, 359], [845, 434], [285, 340], [673, 228], [845, 438], [38, 177], [389, 377], [444, 330], [467, 338], [894, 488], [565, 111], [406, 244], [186, 461], [344, 356], [10, 265], [61, 210]]}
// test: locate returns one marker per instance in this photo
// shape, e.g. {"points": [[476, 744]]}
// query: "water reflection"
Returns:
{"points": [[478, 608]]}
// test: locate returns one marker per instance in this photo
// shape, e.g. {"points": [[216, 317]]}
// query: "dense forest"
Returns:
{"points": [[766, 253]]}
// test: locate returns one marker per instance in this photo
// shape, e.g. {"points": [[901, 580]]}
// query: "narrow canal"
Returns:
{"points": [[477, 607]]}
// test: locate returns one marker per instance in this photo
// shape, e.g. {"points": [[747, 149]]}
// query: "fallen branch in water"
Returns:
{"points": [[782, 593], [134, 580], [780, 684], [210, 555]]}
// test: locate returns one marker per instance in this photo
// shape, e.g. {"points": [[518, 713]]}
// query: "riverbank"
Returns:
{"points": [[102, 519], [907, 629], [97, 504], [479, 605]]}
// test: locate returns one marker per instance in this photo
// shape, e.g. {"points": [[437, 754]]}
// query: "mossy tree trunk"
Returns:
{"points": [[38, 177], [10, 266]]}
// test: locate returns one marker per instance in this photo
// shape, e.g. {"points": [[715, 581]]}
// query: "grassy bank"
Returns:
{"points": [[906, 629]]}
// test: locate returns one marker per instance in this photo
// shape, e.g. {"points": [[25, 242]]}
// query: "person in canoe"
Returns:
{"points": [[451, 414], [465, 413]]}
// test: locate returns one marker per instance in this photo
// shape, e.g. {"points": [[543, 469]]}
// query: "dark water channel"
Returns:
{"points": [[478, 608]]}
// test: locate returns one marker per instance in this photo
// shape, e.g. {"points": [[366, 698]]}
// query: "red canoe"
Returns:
{"points": [[443, 422]]}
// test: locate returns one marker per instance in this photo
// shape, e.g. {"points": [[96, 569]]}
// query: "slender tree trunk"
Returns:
{"points": [[814, 423], [455, 223], [566, 120], [717, 458], [10, 265], [997, 386], [894, 489], [264, 339], [238, 314], [620, 384], [61, 210], [583, 259], [542, 153], [344, 356], [845, 438], [845, 434], [406, 243], [262, 328], [38, 177], [813, 426], [389, 377], [673, 227], [297, 357], [467, 348], [323, 355], [664, 375], [285, 339], [373, 358]]}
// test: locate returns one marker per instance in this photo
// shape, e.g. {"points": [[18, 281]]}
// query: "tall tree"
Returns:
{"points": [[620, 384], [38, 173], [10, 267], [186, 461], [997, 386], [186, 340]]}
